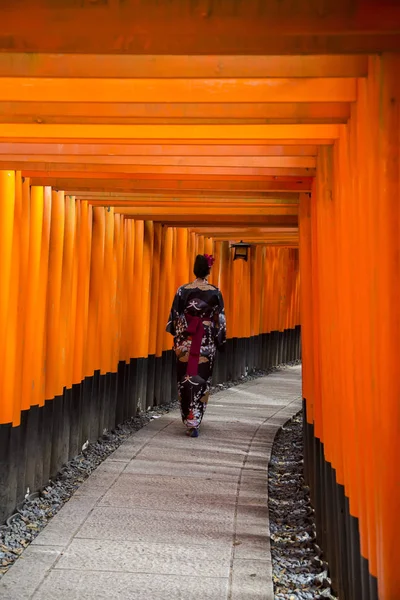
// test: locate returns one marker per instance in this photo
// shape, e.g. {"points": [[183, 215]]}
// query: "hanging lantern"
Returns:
{"points": [[241, 251]]}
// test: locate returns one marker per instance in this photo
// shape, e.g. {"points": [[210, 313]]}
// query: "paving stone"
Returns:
{"points": [[63, 526], [183, 494], [252, 580], [194, 454], [252, 532], [126, 556], [195, 470], [79, 585], [150, 526], [127, 451], [28, 572], [101, 479], [253, 489]]}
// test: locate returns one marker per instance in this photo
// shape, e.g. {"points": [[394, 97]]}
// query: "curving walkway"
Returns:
{"points": [[170, 517]]}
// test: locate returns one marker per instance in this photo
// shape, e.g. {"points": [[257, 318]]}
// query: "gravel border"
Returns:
{"points": [[33, 514], [299, 570]]}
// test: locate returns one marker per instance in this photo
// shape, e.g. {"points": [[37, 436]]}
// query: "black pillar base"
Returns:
{"points": [[337, 530]]}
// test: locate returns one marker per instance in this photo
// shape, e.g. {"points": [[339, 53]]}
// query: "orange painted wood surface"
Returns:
{"points": [[177, 90], [15, 64], [175, 185], [118, 112], [140, 171], [169, 132], [349, 244], [158, 150], [49, 161], [179, 28]]}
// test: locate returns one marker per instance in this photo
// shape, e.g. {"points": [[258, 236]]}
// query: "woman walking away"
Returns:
{"points": [[197, 322]]}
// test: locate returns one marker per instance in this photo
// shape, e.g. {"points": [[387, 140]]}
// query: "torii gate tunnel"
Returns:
{"points": [[134, 135]]}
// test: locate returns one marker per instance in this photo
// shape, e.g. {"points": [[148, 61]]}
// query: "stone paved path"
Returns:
{"points": [[168, 517]]}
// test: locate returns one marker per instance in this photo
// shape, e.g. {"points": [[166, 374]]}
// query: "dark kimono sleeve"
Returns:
{"points": [[221, 325], [175, 314]]}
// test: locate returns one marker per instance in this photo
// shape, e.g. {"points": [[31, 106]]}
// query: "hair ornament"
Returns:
{"points": [[210, 259]]}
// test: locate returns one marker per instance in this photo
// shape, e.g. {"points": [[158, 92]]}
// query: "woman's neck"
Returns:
{"points": [[201, 279]]}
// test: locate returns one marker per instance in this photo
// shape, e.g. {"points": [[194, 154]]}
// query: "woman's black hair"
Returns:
{"points": [[201, 268]]}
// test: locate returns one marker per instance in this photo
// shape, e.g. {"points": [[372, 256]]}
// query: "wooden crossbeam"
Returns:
{"points": [[162, 150], [166, 142], [215, 231], [209, 221], [267, 239], [180, 27], [261, 242], [187, 198], [170, 132], [69, 161], [177, 90], [171, 113], [155, 185], [201, 210], [291, 241], [141, 171], [267, 233], [253, 234], [13, 64], [208, 179], [171, 205]]}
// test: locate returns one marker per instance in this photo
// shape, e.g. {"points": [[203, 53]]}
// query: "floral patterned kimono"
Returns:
{"points": [[197, 322]]}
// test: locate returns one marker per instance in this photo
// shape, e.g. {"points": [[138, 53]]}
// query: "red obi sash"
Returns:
{"points": [[196, 330]]}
